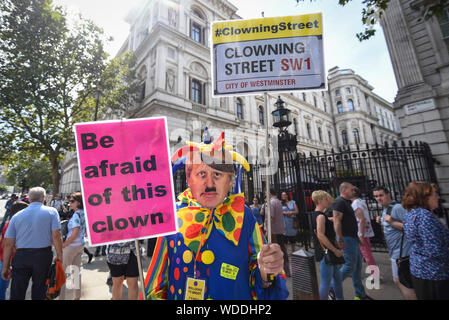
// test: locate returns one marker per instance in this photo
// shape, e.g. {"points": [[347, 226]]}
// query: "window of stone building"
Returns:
{"points": [[337, 93], [261, 116], [348, 90], [142, 91], [444, 25], [350, 105], [239, 108], [320, 134], [329, 136], [344, 137], [339, 107], [314, 101], [309, 132], [197, 91], [355, 132], [295, 125], [303, 96], [197, 30]]}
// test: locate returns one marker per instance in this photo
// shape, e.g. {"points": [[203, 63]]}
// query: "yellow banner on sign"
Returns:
{"points": [[267, 28]]}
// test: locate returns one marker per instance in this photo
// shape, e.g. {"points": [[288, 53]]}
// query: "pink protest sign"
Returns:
{"points": [[126, 179]]}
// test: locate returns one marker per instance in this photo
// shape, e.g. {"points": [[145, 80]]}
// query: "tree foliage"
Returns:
{"points": [[374, 9], [50, 67], [26, 173]]}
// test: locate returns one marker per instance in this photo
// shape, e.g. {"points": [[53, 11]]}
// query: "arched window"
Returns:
{"points": [[239, 108], [355, 132], [197, 29], [261, 116], [198, 14], [344, 137], [350, 105], [339, 107]]}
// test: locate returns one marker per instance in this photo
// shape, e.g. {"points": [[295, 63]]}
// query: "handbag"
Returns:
{"points": [[296, 223], [329, 256], [403, 263], [55, 280]]}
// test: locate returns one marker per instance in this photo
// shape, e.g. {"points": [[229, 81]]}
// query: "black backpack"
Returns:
{"points": [[390, 206], [64, 229]]}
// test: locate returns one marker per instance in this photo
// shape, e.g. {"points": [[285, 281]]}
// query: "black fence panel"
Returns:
{"points": [[393, 166]]}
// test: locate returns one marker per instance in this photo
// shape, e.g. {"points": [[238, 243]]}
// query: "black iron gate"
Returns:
{"points": [[393, 166]]}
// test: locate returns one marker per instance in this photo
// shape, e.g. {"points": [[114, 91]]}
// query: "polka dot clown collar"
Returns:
{"points": [[193, 219]]}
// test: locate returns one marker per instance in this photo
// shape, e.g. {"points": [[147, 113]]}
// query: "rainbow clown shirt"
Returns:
{"points": [[218, 247]]}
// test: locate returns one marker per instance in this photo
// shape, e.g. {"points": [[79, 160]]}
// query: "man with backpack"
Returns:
{"points": [[391, 221]]}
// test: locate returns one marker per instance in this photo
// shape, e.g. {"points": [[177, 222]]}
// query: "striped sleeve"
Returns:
{"points": [[277, 291], [156, 280], [255, 245]]}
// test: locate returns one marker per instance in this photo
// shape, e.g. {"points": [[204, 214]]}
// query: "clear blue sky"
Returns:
{"points": [[370, 59]]}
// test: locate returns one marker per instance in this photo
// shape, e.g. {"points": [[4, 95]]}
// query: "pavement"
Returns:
{"points": [[95, 274]]}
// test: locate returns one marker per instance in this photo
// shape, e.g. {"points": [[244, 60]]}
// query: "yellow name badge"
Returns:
{"points": [[195, 289], [228, 271]]}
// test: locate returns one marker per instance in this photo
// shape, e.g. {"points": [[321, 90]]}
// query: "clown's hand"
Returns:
{"points": [[270, 260]]}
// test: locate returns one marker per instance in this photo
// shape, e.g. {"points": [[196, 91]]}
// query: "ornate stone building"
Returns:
{"points": [[419, 51], [172, 45]]}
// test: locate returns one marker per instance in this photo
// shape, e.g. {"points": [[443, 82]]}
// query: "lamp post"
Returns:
{"points": [[282, 120]]}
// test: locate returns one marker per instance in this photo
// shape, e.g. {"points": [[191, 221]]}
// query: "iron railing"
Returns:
{"points": [[393, 166]]}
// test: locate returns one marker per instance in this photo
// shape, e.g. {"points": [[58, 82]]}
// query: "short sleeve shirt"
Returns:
{"points": [[77, 221], [392, 235], [277, 225], [349, 223], [33, 226], [361, 204]]}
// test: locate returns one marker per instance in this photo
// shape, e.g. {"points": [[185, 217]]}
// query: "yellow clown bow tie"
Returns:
{"points": [[227, 218]]}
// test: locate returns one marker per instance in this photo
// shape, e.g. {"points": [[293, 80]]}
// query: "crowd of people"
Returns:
{"points": [[342, 228], [410, 229]]}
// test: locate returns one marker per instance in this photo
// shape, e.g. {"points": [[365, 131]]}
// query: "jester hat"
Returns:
{"points": [[217, 155]]}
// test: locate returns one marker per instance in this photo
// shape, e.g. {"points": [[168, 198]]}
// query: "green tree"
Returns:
{"points": [[26, 173], [50, 68], [374, 9]]}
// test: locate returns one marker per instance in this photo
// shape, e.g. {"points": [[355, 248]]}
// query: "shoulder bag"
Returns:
{"points": [[329, 256], [403, 263]]}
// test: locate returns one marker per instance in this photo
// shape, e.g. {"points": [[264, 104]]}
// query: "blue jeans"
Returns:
{"points": [[3, 284], [330, 277], [353, 265]]}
